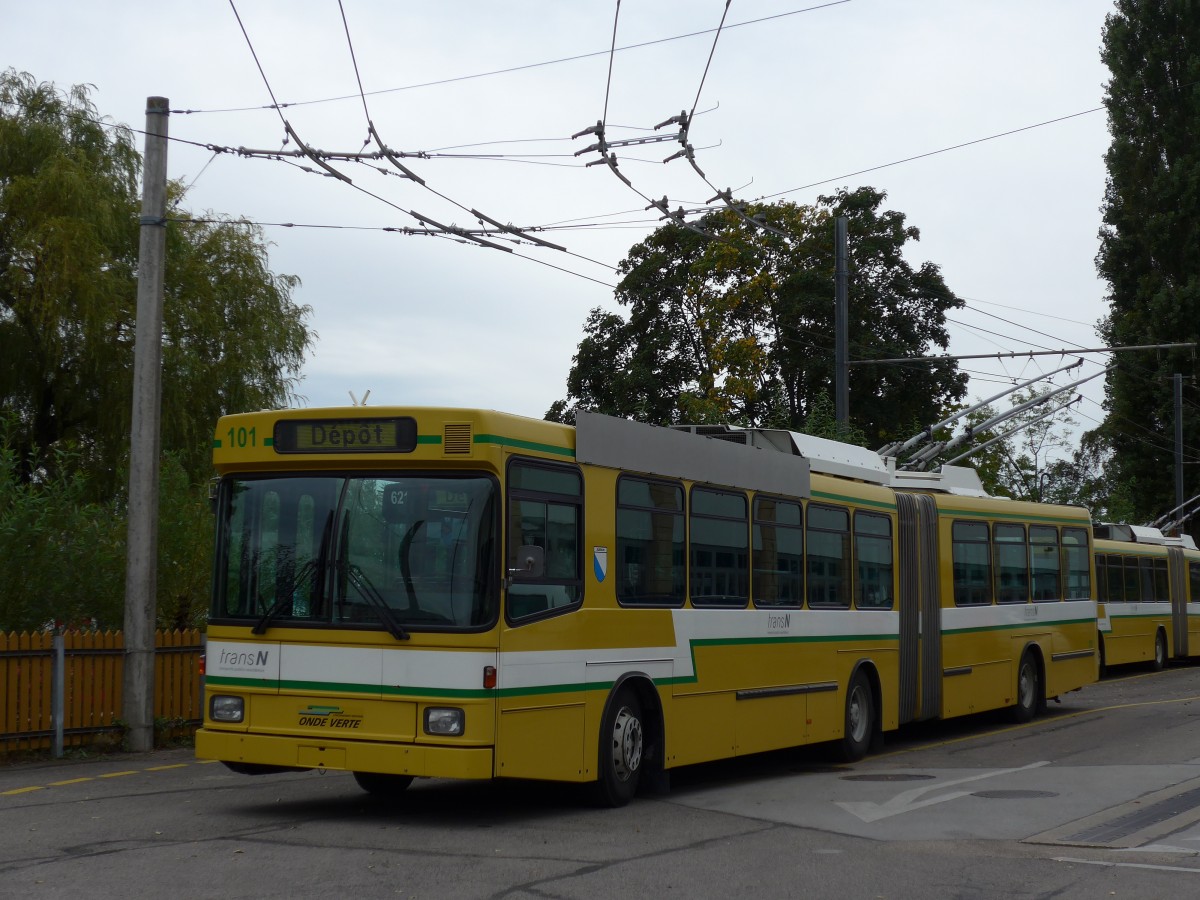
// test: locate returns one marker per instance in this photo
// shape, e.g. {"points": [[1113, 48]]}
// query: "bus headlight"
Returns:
{"points": [[444, 720], [223, 708]]}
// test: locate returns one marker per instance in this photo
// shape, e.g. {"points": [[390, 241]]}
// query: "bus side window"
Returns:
{"points": [[651, 560], [778, 553], [720, 573], [1076, 572], [972, 564], [1194, 581], [873, 562], [1146, 571], [1103, 585], [1131, 579], [1012, 564], [545, 503], [1044, 563], [1162, 584], [828, 557]]}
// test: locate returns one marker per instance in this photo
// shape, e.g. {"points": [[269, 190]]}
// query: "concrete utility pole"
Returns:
{"points": [[841, 355], [1178, 439], [141, 581]]}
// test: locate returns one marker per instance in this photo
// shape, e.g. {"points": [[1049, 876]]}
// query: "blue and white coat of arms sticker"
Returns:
{"points": [[600, 562]]}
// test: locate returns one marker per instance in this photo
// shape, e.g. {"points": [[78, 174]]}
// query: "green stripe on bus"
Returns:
{"points": [[267, 442], [524, 445], [791, 639], [1016, 517], [856, 501], [429, 438], [1032, 623]]}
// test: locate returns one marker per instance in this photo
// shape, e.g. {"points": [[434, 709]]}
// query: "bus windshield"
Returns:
{"points": [[398, 552]]}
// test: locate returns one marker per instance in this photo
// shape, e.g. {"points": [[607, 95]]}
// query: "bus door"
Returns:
{"points": [[1177, 574], [542, 711], [920, 608]]}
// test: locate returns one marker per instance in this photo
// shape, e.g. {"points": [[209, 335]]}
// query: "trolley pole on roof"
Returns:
{"points": [[841, 278], [141, 582]]}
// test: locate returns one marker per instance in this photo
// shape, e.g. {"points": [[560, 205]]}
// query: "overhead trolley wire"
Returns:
{"points": [[422, 219], [521, 68]]}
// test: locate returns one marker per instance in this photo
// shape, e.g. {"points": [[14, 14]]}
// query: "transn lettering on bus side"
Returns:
{"points": [[779, 623], [244, 658], [347, 436]]}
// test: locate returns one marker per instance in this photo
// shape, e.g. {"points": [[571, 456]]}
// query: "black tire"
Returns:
{"points": [[860, 719], [1029, 689], [385, 787], [1159, 662], [622, 750]]}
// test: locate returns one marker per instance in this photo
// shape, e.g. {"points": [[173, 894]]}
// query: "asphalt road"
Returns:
{"points": [[1099, 798]]}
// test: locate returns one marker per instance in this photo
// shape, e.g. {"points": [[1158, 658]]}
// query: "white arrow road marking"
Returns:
{"points": [[909, 800]]}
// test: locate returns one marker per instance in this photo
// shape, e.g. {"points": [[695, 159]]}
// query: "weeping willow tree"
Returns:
{"points": [[233, 340], [233, 337]]}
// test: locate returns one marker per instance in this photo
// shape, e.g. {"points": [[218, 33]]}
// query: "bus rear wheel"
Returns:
{"points": [[385, 787], [1029, 688], [1160, 652], [860, 719], [622, 746]]}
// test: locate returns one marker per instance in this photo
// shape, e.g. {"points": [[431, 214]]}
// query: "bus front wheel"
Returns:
{"points": [[622, 744]]}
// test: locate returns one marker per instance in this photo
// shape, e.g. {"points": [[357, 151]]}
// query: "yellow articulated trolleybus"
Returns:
{"points": [[459, 593], [1148, 585]]}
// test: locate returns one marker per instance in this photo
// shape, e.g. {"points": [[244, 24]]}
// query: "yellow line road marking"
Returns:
{"points": [[70, 781]]}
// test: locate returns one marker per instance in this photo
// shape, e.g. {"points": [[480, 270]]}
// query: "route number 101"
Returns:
{"points": [[242, 437]]}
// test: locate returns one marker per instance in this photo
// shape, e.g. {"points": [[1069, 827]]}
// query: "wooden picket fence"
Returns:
{"points": [[93, 671]]}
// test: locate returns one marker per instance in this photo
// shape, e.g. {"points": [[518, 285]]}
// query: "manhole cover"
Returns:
{"points": [[887, 776], [1013, 795]]}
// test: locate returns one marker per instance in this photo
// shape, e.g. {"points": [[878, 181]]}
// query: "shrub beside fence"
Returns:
{"points": [[92, 672]]}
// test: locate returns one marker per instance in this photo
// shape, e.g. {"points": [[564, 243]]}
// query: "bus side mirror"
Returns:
{"points": [[213, 485], [531, 563]]}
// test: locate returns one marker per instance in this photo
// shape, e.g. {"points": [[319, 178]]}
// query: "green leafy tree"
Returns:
{"points": [[1150, 239], [1082, 479], [739, 327], [1037, 442], [1032, 456], [62, 554], [233, 338]]}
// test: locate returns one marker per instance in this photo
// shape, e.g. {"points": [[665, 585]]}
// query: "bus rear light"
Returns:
{"points": [[489, 677]]}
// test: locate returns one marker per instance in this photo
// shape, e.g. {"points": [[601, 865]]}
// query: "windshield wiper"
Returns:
{"points": [[368, 592], [300, 579], [405, 569]]}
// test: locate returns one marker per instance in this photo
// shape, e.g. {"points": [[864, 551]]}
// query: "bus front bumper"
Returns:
{"points": [[416, 760]]}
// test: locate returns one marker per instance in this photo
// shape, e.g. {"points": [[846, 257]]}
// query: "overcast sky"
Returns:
{"points": [[791, 107]]}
